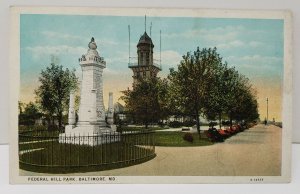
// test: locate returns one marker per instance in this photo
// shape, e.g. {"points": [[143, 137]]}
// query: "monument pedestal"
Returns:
{"points": [[91, 135]]}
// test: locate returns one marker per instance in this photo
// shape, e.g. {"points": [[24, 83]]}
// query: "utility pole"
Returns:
{"points": [[267, 109]]}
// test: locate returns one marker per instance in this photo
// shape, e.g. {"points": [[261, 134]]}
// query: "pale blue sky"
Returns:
{"points": [[253, 46]]}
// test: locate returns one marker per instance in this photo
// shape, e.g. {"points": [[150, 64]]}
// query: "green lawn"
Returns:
{"points": [[126, 128], [50, 156], [170, 138]]}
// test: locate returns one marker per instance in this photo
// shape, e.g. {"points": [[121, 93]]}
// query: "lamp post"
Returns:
{"points": [[267, 109]]}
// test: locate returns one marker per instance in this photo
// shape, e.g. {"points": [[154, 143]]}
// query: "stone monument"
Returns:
{"points": [[91, 116], [110, 112]]}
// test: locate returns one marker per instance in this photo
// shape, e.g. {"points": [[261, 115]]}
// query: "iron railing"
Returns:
{"points": [[51, 150]]}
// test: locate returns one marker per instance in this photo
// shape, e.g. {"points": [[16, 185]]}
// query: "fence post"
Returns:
{"points": [[79, 151], [65, 151], [40, 143], [51, 139]]}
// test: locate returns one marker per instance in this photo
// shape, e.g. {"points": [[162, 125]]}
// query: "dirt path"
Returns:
{"points": [[256, 151]]}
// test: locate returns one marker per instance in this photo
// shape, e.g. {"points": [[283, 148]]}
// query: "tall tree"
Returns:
{"points": [[146, 102], [53, 92], [193, 80], [217, 96], [240, 101], [246, 103], [230, 88]]}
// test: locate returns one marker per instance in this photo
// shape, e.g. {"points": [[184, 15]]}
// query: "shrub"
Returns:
{"points": [[175, 124], [212, 124], [227, 123], [189, 123], [188, 137]]}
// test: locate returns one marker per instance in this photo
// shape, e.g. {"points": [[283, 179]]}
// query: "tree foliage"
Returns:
{"points": [[146, 102], [28, 113], [204, 85], [54, 90], [192, 82]]}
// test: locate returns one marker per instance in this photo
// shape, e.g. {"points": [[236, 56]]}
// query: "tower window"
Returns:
{"points": [[147, 59], [141, 58]]}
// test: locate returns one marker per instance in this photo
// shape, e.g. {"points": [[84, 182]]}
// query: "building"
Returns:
{"points": [[145, 66]]}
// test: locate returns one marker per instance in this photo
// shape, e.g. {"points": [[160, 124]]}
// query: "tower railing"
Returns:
{"points": [[155, 63]]}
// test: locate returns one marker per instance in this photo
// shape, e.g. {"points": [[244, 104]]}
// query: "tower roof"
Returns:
{"points": [[145, 39]]}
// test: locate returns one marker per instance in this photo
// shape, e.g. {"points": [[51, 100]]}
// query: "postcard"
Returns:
{"points": [[150, 95]]}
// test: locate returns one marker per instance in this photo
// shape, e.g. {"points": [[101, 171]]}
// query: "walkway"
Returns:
{"points": [[254, 152]]}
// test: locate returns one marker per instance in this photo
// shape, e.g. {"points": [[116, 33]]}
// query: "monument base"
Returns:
{"points": [[91, 135]]}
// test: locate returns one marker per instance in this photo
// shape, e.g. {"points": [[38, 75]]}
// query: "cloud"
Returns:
{"points": [[53, 34], [118, 57], [169, 58], [256, 62], [42, 51], [255, 44], [104, 42], [219, 34], [76, 39], [110, 71], [232, 44]]}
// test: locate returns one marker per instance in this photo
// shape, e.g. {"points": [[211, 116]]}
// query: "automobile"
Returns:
{"points": [[214, 135], [230, 130], [223, 133]]}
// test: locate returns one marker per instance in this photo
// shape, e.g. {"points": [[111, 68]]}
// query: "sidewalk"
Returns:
{"points": [[254, 152]]}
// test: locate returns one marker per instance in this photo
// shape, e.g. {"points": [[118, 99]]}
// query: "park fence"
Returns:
{"points": [[44, 151]]}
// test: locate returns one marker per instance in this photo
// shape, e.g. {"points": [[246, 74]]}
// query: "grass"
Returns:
{"points": [[126, 128], [171, 138], [175, 139], [54, 157]]}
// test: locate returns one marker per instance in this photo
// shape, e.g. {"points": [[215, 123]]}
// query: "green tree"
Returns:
{"points": [[240, 99], [246, 103], [20, 107], [53, 92], [217, 95], [193, 80], [30, 114], [146, 102], [230, 88]]}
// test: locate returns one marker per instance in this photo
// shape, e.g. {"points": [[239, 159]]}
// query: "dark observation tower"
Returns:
{"points": [[144, 66]]}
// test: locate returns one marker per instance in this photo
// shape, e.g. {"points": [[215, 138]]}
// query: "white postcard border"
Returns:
{"points": [[14, 82]]}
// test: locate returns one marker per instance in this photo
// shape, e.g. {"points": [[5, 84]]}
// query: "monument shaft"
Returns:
{"points": [[91, 109]]}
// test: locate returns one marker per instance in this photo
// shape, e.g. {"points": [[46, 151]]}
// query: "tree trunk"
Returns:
{"points": [[220, 120], [198, 123], [146, 124], [60, 121]]}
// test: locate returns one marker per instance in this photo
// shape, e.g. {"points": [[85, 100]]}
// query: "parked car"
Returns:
{"points": [[214, 135]]}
